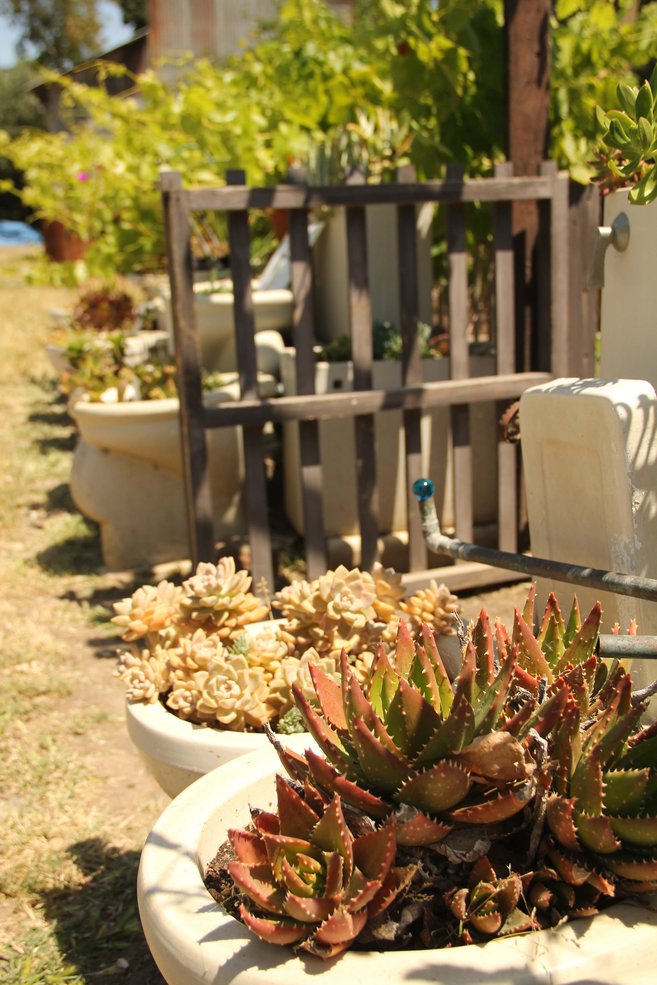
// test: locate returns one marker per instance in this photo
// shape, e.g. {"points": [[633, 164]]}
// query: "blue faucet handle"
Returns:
{"points": [[423, 489]]}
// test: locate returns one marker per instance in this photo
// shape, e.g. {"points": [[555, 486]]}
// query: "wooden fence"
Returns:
{"points": [[413, 397]]}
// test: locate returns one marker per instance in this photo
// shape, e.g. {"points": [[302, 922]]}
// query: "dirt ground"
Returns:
{"points": [[76, 801]]}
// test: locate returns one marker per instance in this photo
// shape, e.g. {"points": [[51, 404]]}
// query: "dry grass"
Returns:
{"points": [[76, 803]]}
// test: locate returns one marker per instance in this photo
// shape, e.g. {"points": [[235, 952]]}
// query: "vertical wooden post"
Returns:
{"points": [[303, 331], [559, 265], [459, 362], [507, 464], [360, 311], [198, 498], [254, 462], [411, 367], [527, 28]]}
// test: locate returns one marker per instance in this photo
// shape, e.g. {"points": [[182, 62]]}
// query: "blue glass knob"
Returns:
{"points": [[423, 489]]}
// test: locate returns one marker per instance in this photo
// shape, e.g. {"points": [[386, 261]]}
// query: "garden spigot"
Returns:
{"points": [[616, 235]]}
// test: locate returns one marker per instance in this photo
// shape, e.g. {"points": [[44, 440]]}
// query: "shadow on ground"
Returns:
{"points": [[77, 555], [97, 923]]}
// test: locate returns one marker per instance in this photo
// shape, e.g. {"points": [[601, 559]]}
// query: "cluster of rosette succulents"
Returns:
{"points": [[444, 810], [212, 652]]}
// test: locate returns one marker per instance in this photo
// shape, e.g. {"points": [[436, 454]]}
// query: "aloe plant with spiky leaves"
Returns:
{"points": [[543, 654], [309, 881], [409, 744], [604, 804], [524, 791], [488, 905]]}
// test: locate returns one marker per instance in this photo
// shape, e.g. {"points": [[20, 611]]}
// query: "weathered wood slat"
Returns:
{"points": [[585, 213], [459, 360], [360, 317], [559, 284], [325, 406], [507, 467], [411, 373], [295, 197], [464, 575], [198, 497], [255, 487], [303, 337]]}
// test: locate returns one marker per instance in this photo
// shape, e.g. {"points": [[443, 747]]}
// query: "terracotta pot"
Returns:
{"points": [[193, 941], [61, 244]]}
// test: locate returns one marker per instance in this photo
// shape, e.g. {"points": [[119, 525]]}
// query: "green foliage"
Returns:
{"points": [[386, 344], [630, 133], [134, 12], [595, 46], [18, 106], [417, 82], [60, 32]]}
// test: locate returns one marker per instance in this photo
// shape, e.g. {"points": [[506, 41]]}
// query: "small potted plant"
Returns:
{"points": [[503, 823], [209, 668]]}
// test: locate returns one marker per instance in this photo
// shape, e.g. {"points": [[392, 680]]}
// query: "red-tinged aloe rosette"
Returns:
{"points": [[308, 880], [412, 746]]}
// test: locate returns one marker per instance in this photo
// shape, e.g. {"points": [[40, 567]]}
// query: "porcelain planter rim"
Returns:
{"points": [[194, 941]]}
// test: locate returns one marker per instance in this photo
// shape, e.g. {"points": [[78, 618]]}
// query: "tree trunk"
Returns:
{"points": [[527, 30]]}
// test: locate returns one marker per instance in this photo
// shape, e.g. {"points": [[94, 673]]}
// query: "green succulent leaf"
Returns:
{"points": [[587, 784], [437, 788], [596, 833], [627, 98], [453, 734], [530, 654], [382, 684], [644, 104], [482, 639], [331, 834], [643, 753], [584, 642], [384, 770], [411, 720], [645, 135], [490, 703], [640, 831]]}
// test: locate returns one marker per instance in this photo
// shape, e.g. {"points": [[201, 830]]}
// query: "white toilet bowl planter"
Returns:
{"points": [[215, 321], [176, 752], [193, 941]]}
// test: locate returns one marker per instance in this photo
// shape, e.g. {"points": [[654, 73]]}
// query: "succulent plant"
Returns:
{"points": [[218, 598], [518, 795], [308, 879], [408, 745], [355, 611]]}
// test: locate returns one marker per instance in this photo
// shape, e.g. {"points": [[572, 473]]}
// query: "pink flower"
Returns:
{"points": [[83, 176]]}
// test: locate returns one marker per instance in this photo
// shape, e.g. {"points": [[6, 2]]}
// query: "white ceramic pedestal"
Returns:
{"points": [[127, 476], [193, 941]]}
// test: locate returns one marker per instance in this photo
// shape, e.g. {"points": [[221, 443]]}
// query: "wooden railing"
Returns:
{"points": [[459, 393]]}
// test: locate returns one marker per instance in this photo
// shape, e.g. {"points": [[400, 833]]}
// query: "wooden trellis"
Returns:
{"points": [[413, 397]]}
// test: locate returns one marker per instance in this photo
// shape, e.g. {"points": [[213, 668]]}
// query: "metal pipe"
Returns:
{"points": [[627, 647], [608, 581]]}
